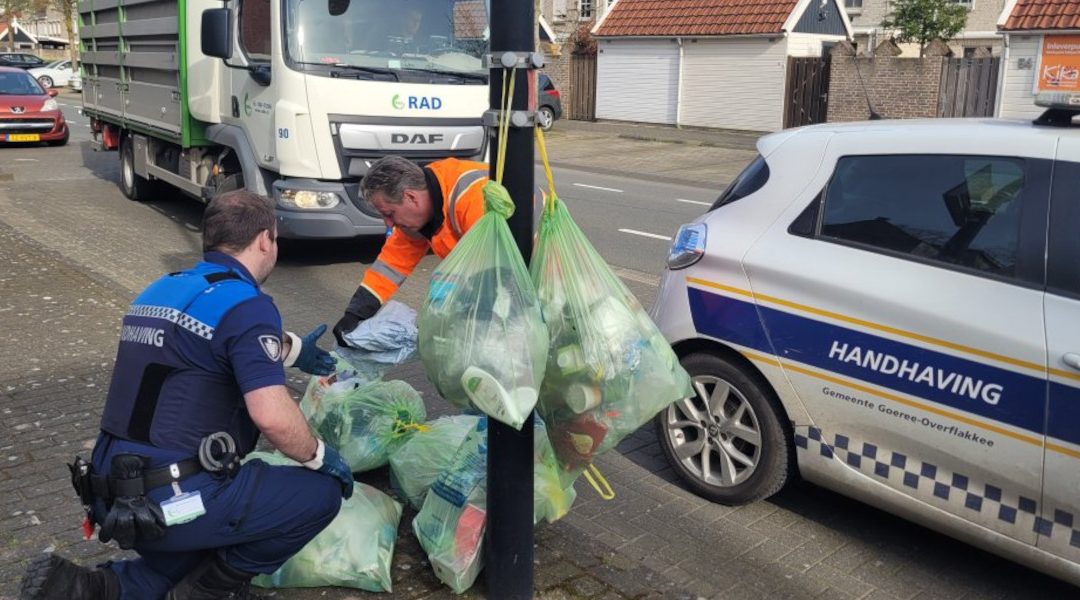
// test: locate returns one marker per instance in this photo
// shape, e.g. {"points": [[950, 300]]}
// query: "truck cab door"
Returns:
{"points": [[1059, 526], [251, 96]]}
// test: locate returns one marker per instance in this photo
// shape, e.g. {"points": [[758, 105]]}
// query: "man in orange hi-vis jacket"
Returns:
{"points": [[429, 207]]}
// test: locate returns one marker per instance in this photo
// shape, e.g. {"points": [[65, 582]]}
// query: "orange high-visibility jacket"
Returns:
{"points": [[460, 183]]}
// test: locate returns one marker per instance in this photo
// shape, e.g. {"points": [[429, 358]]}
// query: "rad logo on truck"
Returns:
{"points": [[416, 102]]}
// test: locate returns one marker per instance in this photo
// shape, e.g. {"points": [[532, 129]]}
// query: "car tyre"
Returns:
{"points": [[545, 117], [132, 185], [60, 142], [45, 81], [728, 442]]}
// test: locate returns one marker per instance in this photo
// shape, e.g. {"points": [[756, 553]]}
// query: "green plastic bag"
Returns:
{"points": [[368, 422], [481, 335], [451, 522], [450, 525], [609, 370], [416, 464], [355, 550]]}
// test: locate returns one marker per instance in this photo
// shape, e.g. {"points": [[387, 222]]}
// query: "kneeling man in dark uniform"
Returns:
{"points": [[200, 373]]}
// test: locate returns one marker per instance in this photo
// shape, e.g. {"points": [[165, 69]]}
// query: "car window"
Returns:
{"points": [[752, 179], [19, 84], [957, 210]]}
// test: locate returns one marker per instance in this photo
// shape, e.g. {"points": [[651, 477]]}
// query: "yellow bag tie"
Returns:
{"points": [[549, 200], [401, 428], [504, 120], [596, 480]]}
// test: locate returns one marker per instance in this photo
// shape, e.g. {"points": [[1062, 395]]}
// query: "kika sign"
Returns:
{"points": [[1059, 64]]}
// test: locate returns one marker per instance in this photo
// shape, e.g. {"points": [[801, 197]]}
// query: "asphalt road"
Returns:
{"points": [[66, 200]]}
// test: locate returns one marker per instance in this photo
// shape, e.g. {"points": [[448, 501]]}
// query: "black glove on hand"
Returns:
{"points": [[362, 306], [132, 517]]}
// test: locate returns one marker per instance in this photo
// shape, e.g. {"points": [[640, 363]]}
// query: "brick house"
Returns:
{"points": [[981, 30]]}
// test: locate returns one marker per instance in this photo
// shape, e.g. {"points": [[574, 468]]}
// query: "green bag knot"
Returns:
{"points": [[497, 199]]}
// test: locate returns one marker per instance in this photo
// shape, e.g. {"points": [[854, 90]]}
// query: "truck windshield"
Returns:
{"points": [[415, 40]]}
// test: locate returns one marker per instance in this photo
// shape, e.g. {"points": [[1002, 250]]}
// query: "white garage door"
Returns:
{"points": [[636, 80], [735, 84]]}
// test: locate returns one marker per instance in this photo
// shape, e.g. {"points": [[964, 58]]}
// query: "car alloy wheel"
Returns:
{"points": [[728, 441], [45, 81], [715, 433], [545, 117]]}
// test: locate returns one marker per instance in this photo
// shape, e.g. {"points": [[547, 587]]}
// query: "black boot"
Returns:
{"points": [[51, 577], [213, 579]]}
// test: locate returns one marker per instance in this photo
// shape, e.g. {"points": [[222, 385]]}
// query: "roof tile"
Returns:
{"points": [[1029, 15], [696, 17]]}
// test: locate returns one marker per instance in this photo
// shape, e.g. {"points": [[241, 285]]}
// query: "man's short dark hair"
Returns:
{"points": [[391, 176], [234, 219]]}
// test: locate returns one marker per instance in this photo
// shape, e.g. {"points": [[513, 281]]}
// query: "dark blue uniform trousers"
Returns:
{"points": [[256, 521]]}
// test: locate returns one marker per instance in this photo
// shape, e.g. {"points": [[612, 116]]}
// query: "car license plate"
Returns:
{"points": [[24, 137]]}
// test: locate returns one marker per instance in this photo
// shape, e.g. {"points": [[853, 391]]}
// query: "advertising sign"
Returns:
{"points": [[1059, 64]]}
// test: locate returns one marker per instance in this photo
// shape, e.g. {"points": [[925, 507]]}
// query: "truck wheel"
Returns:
{"points": [[131, 184], [727, 441]]}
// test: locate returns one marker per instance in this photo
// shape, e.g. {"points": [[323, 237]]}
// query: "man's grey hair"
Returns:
{"points": [[391, 176]]}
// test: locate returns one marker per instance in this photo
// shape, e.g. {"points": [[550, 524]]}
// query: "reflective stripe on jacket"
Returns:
{"points": [[461, 183]]}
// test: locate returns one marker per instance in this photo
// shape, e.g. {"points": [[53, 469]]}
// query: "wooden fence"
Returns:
{"points": [[968, 87]]}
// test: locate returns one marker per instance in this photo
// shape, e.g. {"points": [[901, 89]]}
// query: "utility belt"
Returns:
{"points": [[132, 517]]}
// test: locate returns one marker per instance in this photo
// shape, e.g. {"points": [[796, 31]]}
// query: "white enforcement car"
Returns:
{"points": [[892, 311]]}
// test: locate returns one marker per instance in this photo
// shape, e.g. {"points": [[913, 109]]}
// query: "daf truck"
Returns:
{"points": [[290, 99]]}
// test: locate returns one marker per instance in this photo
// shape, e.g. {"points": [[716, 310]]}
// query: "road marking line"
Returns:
{"points": [[638, 276], [693, 202], [596, 187], [648, 235], [26, 160]]}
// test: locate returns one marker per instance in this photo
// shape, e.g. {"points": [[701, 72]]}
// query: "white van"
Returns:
{"points": [[891, 310]]}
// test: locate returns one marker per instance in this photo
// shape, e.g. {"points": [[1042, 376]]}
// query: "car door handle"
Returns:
{"points": [[1072, 359]]}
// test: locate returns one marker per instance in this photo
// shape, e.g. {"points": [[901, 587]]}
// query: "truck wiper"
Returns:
{"points": [[482, 77], [343, 69]]}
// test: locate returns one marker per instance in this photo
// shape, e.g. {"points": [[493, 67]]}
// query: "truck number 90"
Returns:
{"points": [[283, 133]]}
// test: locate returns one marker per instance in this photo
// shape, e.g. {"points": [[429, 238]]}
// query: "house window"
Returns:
{"points": [[951, 210], [585, 9], [853, 4]]}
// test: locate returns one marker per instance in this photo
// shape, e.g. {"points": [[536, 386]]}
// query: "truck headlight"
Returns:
{"points": [[309, 199], [688, 247]]}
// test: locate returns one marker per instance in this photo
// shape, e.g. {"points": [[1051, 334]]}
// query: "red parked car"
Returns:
{"points": [[29, 113]]}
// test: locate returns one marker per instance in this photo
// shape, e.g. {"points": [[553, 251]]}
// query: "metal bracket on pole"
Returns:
{"points": [[518, 118], [507, 60]]}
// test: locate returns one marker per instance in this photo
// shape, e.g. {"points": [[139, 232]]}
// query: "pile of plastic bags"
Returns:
{"points": [[482, 337], [355, 550]]}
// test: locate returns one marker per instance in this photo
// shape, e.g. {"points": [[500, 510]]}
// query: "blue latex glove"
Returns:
{"points": [[328, 462], [313, 359]]}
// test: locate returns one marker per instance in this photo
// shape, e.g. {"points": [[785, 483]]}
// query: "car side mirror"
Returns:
{"points": [[53, 92], [217, 33]]}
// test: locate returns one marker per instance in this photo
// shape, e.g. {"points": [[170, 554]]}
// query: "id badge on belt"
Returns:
{"points": [[183, 507]]}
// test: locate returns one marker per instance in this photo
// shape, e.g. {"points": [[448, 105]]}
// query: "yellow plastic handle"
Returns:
{"points": [[596, 480]]}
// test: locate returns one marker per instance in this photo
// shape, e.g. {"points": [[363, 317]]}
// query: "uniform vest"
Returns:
{"points": [[168, 388]]}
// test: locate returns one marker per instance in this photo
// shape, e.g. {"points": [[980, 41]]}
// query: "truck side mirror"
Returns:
{"points": [[217, 33]]}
